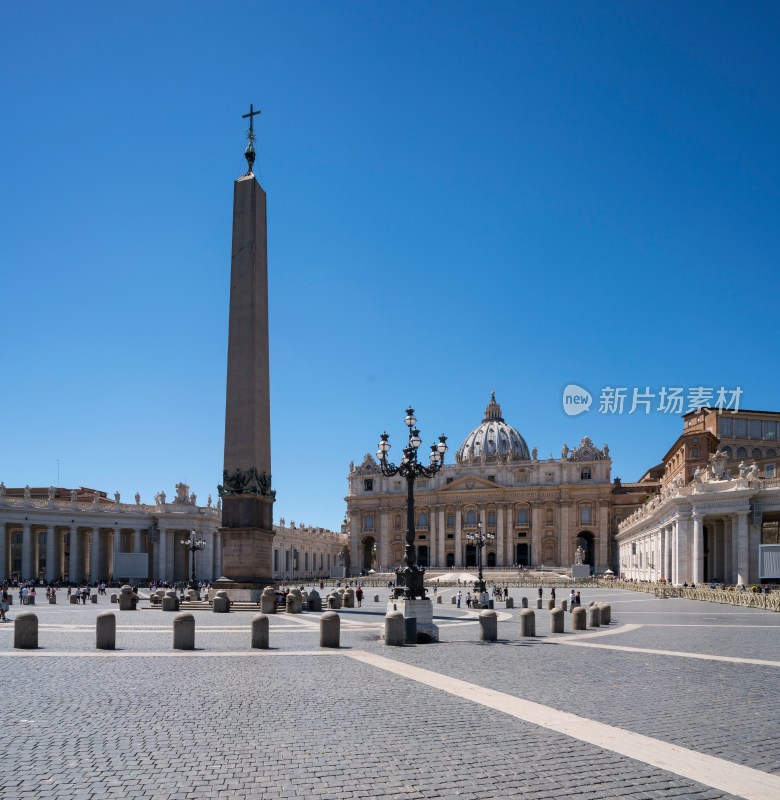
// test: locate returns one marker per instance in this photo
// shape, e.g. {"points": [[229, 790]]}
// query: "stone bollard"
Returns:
{"points": [[376, 598], [510, 603], [268, 600], [334, 600], [26, 631], [488, 626], [550, 603], [53, 599], [527, 622], [565, 605], [578, 618], [394, 629], [330, 629], [169, 604], [594, 617], [524, 602], [126, 598], [315, 601], [438, 598], [592, 603], [453, 599], [74, 599], [539, 603], [221, 602], [184, 631], [297, 601], [192, 596], [93, 598], [556, 620], [606, 613], [348, 599], [260, 631], [105, 631], [115, 598]]}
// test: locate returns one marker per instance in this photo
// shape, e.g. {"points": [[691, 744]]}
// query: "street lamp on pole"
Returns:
{"points": [[480, 539], [193, 545], [409, 578]]}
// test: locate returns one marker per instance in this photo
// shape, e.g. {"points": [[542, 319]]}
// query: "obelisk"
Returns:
{"points": [[247, 496]]}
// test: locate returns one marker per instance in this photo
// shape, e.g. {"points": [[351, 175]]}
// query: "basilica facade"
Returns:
{"points": [[535, 512]]}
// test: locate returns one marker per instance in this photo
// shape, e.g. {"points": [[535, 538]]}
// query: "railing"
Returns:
{"points": [[769, 602], [107, 507]]}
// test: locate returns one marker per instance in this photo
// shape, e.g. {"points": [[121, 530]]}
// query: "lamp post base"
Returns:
{"points": [[409, 582]]}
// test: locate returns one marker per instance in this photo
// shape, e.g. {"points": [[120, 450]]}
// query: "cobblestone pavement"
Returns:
{"points": [[297, 721]]}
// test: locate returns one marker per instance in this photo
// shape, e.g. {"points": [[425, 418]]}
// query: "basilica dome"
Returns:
{"points": [[492, 440]]}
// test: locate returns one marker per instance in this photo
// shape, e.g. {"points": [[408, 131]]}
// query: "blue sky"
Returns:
{"points": [[461, 197]]}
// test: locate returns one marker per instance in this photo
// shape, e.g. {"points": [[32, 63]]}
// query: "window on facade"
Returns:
{"points": [[756, 452], [771, 452], [550, 477], [769, 471], [633, 549], [742, 452], [368, 485], [522, 477], [754, 428], [695, 452], [769, 429], [725, 426], [491, 517], [471, 517], [287, 561], [17, 538], [422, 483], [740, 428], [276, 561], [522, 516], [585, 474], [422, 519], [368, 522], [449, 480], [492, 478], [450, 535], [549, 515], [585, 515], [397, 522], [450, 520], [727, 450]]}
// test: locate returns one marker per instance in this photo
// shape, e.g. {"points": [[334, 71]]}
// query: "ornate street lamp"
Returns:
{"points": [[480, 539], [193, 545], [409, 578]]}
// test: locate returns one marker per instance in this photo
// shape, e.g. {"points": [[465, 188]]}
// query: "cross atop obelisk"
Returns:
{"points": [[249, 153]]}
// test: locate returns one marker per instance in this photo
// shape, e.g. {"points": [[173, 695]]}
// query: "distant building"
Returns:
{"points": [[538, 510], [717, 514], [73, 535]]}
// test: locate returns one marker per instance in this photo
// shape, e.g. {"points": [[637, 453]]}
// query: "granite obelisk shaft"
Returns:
{"points": [[247, 497]]}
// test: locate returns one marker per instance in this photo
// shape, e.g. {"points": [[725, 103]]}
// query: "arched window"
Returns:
{"points": [[771, 452], [549, 515], [522, 516], [728, 451], [368, 522], [742, 452], [422, 519], [491, 517], [756, 452], [585, 474], [585, 515], [471, 517]]}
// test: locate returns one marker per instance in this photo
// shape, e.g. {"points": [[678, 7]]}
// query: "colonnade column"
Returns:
{"points": [[727, 562], [742, 547], [94, 556], [668, 564], [662, 553], [218, 555], [3, 552], [459, 538], [137, 541], [74, 573], [433, 547], [117, 548], [697, 560], [500, 535], [27, 550], [52, 567], [715, 548], [162, 555]]}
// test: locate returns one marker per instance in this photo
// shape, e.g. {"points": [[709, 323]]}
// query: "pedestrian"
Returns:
{"points": [[359, 596], [540, 592], [468, 599], [459, 596], [572, 600], [4, 603], [552, 593], [577, 601]]}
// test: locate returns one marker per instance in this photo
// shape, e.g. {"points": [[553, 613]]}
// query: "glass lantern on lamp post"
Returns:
{"points": [[409, 577]]}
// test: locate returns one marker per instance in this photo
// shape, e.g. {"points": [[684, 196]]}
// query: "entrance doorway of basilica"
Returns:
{"points": [[586, 540], [369, 548], [522, 555]]}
